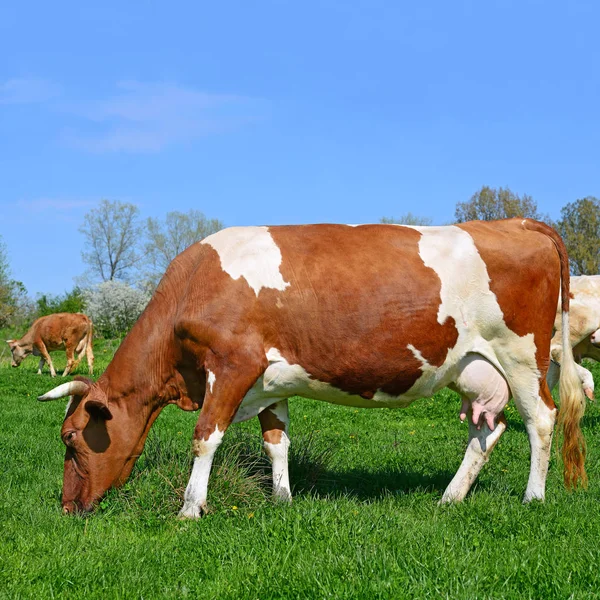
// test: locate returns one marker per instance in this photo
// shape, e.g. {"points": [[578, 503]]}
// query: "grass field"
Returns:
{"points": [[364, 522]]}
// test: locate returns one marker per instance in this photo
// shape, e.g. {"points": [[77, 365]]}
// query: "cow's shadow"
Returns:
{"points": [[363, 484]]}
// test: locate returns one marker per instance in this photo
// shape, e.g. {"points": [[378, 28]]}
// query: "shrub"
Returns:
{"points": [[114, 307], [69, 302]]}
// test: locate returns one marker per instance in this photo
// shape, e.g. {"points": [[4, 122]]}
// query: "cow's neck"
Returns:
{"points": [[27, 340], [141, 374]]}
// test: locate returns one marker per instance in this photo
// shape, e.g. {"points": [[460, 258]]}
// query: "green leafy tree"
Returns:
{"points": [[489, 204], [70, 302], [112, 234], [406, 219], [579, 227], [166, 239]]}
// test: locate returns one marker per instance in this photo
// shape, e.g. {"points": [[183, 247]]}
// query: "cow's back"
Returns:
{"points": [[56, 328]]}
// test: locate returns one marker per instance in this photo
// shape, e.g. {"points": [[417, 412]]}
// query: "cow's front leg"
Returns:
{"points": [[274, 424], [481, 443], [226, 387], [40, 366], [46, 356]]}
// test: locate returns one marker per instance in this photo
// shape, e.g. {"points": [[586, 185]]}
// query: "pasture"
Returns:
{"points": [[364, 522]]}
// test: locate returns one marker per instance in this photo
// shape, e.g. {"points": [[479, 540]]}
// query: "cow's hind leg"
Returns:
{"points": [[226, 386], [71, 362], [89, 354], [539, 414], [485, 393], [481, 443], [40, 365], [274, 423]]}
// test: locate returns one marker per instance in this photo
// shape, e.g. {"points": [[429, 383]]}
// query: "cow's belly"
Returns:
{"points": [[282, 380]]}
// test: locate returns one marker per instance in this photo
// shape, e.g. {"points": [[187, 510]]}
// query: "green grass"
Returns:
{"points": [[364, 522]]}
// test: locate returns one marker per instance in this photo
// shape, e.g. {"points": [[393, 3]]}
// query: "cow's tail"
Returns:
{"points": [[572, 399]]}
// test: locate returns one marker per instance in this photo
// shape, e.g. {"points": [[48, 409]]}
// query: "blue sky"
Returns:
{"points": [[274, 112]]}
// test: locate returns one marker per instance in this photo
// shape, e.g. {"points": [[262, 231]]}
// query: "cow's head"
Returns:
{"points": [[19, 351], [103, 442]]}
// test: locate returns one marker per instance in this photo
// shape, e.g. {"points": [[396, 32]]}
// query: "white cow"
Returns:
{"points": [[584, 330]]}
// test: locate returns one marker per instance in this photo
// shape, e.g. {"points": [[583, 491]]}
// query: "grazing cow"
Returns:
{"points": [[71, 330], [365, 316], [584, 336]]}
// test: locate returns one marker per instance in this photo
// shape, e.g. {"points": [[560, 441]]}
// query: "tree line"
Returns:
{"points": [[126, 256]]}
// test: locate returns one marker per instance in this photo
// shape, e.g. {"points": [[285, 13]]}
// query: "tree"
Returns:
{"points": [[114, 307], [70, 302], [489, 204], [165, 240], [579, 227], [112, 233], [407, 219], [13, 295]]}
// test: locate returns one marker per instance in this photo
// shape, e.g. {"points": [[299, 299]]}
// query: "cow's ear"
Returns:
{"points": [[10, 342], [98, 410]]}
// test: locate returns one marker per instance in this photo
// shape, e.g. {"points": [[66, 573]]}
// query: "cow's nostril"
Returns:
{"points": [[68, 508]]}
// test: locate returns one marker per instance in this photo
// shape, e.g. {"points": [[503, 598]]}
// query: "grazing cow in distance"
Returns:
{"points": [[73, 331], [584, 336], [365, 316]]}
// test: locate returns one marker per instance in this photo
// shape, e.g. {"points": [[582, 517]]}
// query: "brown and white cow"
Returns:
{"points": [[584, 334], [73, 331], [367, 316]]}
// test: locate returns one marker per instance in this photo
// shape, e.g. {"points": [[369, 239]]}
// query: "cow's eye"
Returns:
{"points": [[69, 437]]}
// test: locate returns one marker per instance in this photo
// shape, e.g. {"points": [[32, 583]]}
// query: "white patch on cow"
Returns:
{"points": [[197, 487], [467, 298], [251, 253], [211, 379], [278, 453]]}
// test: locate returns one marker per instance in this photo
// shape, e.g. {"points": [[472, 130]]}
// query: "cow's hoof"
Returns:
{"points": [[191, 512], [533, 497]]}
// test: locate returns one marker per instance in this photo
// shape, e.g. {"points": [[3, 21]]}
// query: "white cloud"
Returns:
{"points": [[27, 91], [146, 117]]}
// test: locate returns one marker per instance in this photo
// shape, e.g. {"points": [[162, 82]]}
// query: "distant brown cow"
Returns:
{"points": [[73, 331]]}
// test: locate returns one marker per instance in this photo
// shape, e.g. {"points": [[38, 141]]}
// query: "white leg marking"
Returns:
{"points": [[540, 429], [210, 379], [481, 443], [278, 453], [195, 493]]}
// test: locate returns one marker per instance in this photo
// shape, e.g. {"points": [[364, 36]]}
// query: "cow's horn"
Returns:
{"points": [[72, 388]]}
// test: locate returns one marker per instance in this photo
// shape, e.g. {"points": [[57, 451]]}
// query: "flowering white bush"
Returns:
{"points": [[114, 307]]}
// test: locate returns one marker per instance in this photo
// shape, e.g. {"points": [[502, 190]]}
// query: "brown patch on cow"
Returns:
{"points": [[272, 427], [546, 394], [526, 282], [360, 310]]}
